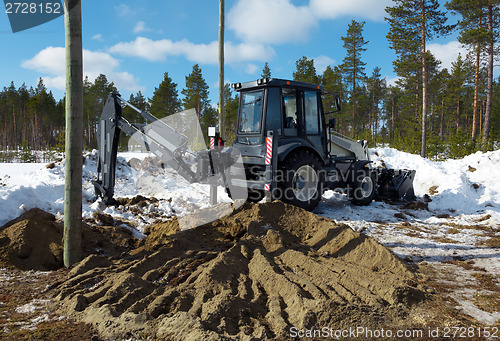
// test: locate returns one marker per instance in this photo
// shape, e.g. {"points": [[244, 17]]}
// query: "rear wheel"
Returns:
{"points": [[362, 191], [303, 181]]}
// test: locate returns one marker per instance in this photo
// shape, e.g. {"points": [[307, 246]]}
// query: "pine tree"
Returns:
{"points": [[333, 86], [305, 71], [474, 35], [95, 96], [165, 100], [457, 87], [412, 24], [376, 88], [495, 113], [353, 66], [493, 10], [266, 71]]}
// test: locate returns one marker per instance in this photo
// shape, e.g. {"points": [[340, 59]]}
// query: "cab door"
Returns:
{"points": [[313, 127]]}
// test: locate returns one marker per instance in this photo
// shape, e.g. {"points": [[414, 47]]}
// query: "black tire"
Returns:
{"points": [[363, 188], [302, 181]]}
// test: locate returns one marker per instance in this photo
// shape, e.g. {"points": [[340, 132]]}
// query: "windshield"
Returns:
{"points": [[251, 111]]}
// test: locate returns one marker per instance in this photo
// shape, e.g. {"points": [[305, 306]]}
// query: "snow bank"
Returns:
{"points": [[466, 186]]}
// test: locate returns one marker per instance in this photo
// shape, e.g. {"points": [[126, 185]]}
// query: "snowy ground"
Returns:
{"points": [[453, 236]]}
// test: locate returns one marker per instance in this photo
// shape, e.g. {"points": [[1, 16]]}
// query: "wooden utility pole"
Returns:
{"points": [[221, 69], [74, 133]]}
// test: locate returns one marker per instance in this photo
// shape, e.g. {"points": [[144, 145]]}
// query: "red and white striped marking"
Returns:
{"points": [[269, 149], [212, 142], [269, 157]]}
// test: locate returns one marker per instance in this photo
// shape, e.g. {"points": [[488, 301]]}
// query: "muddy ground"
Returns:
{"points": [[256, 274]]}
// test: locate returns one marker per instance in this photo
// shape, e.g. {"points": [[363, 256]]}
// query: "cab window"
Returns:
{"points": [[311, 112], [251, 111]]}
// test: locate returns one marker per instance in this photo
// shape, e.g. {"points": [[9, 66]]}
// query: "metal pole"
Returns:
{"points": [[221, 70], [74, 133]]}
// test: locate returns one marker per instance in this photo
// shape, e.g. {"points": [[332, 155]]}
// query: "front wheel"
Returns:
{"points": [[362, 191], [303, 181]]}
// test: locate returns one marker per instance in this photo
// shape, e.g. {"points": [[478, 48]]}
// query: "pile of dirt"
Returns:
{"points": [[34, 241], [254, 274]]}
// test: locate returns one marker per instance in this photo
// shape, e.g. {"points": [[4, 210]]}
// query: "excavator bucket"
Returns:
{"points": [[395, 184]]}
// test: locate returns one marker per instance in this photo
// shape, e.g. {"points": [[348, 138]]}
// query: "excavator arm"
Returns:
{"points": [[158, 138]]}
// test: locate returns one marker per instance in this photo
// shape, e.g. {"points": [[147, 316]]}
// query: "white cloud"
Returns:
{"points": [[159, 50], [447, 53], [391, 80], [321, 63], [98, 37], [123, 10], [51, 61], [280, 21], [141, 27], [331, 9], [251, 69], [270, 21]]}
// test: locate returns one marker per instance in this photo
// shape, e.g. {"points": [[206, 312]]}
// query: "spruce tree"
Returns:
{"points": [[196, 91], [231, 106], [196, 97], [266, 71], [165, 100], [305, 71], [332, 87], [353, 66]]}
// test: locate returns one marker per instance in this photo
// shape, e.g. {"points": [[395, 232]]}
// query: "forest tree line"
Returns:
{"points": [[430, 110]]}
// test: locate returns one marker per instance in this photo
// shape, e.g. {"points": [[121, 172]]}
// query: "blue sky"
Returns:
{"points": [[134, 42]]}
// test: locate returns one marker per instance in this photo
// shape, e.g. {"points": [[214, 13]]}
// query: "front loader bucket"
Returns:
{"points": [[395, 184]]}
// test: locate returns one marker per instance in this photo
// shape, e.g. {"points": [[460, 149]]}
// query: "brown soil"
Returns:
{"points": [[24, 288], [34, 241], [256, 273]]}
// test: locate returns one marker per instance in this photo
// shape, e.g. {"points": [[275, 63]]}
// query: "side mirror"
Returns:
{"points": [[331, 123], [337, 102]]}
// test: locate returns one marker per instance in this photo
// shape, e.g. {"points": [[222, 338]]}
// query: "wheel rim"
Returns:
{"points": [[305, 183], [366, 187]]}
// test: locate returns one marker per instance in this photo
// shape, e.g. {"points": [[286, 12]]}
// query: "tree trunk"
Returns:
{"points": [[353, 107], [441, 125], [489, 95], [424, 87], [393, 117], [476, 90], [74, 133]]}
